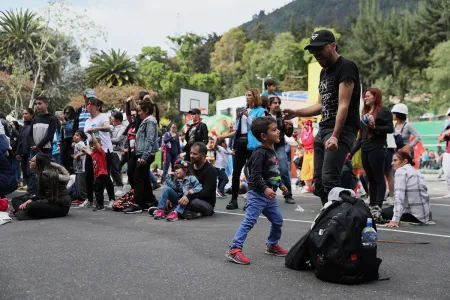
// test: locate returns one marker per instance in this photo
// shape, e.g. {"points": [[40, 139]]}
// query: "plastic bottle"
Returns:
{"points": [[369, 236]]}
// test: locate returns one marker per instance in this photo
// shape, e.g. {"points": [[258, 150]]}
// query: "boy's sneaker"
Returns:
{"points": [[219, 194], [85, 204], [159, 214], [156, 186], [235, 255], [133, 209], [276, 250], [99, 208], [172, 216]]}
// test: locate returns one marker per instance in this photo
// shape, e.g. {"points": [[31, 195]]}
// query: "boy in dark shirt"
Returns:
{"points": [[264, 180]]}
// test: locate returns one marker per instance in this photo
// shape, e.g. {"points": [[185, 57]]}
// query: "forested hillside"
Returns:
{"points": [[333, 13]]}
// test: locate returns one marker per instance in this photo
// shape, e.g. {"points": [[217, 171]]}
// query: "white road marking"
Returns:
{"points": [[310, 222]]}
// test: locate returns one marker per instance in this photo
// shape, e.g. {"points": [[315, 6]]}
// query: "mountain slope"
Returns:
{"points": [[322, 12]]}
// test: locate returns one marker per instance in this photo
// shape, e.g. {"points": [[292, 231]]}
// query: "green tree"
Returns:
{"points": [[153, 63], [439, 75], [228, 51], [112, 69]]}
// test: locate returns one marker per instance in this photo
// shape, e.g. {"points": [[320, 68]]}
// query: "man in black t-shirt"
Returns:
{"points": [[338, 103]]}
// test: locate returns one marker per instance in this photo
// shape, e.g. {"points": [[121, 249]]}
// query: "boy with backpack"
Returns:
{"points": [[264, 180]]}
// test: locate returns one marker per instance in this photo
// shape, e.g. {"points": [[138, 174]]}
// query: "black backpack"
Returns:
{"points": [[333, 248]]}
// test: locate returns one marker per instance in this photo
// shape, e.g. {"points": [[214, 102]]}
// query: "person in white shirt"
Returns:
{"points": [[221, 165], [99, 125]]}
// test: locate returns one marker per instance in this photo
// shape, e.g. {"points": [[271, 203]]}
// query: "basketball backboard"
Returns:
{"points": [[190, 99]]}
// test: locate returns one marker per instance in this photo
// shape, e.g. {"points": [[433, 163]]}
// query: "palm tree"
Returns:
{"points": [[112, 69], [20, 34]]}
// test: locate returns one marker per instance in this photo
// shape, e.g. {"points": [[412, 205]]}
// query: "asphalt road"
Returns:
{"points": [[109, 255]]}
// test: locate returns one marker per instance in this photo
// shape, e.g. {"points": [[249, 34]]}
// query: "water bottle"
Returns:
{"points": [[369, 236]]}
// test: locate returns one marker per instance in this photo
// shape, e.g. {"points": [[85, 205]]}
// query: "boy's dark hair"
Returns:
{"points": [[42, 98], [261, 125], [268, 83], [210, 138], [400, 116], [202, 149], [117, 115], [82, 135]]}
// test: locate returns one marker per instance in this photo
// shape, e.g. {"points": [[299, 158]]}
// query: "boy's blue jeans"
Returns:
{"points": [[256, 204], [169, 194]]}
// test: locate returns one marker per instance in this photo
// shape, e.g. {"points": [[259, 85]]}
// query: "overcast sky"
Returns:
{"points": [[133, 24]]}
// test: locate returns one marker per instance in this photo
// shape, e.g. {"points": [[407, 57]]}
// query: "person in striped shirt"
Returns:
{"points": [[412, 203]]}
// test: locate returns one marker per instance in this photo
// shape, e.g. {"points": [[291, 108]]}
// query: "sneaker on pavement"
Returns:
{"points": [[276, 250], [111, 203], [156, 186], [235, 255], [159, 214], [133, 209], [245, 206], [289, 200], [446, 196], [219, 194], [152, 210], [85, 204], [172, 216], [232, 205], [98, 208], [120, 192]]}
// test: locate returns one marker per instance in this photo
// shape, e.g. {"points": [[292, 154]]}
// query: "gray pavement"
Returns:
{"points": [[109, 255]]}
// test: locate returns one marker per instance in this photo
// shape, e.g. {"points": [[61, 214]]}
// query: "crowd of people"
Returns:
{"points": [[42, 155]]}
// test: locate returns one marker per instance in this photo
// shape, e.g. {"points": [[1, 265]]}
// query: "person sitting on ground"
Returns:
{"points": [[201, 203], [412, 203], [264, 181], [178, 184], [52, 199]]}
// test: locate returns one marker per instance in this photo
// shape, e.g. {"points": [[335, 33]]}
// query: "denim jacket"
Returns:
{"points": [[182, 186], [147, 138]]}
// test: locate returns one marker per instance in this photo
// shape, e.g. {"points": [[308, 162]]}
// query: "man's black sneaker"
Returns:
{"points": [[98, 208], [133, 209], [245, 206], [289, 200], [189, 215], [232, 205]]}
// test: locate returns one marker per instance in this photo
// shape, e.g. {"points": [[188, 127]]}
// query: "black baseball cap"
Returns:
{"points": [[195, 111], [321, 38]]}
